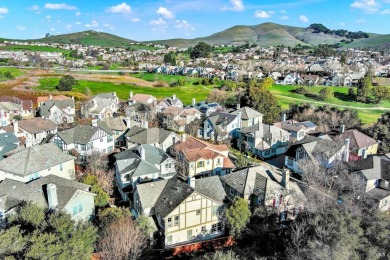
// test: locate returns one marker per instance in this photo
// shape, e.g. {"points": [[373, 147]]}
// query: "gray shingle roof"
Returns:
{"points": [[8, 142], [247, 113], [81, 134], [35, 191], [44, 110], [316, 146], [37, 125], [149, 136], [211, 187], [150, 192], [34, 159], [373, 168], [9, 106]]}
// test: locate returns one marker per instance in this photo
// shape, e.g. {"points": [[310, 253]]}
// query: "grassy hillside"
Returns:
{"points": [[89, 38], [374, 42]]}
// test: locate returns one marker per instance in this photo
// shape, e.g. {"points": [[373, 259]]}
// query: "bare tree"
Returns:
{"points": [[97, 165], [122, 239]]}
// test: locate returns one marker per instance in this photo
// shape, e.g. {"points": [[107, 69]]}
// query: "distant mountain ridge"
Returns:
{"points": [[266, 34]]}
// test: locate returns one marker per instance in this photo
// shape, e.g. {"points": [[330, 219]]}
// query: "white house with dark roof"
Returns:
{"points": [[27, 164], [185, 210], [140, 164], [51, 192], [298, 130], [177, 118], [83, 140], [263, 140], [169, 102], [142, 98], [58, 111], [249, 116], [220, 126], [157, 137], [101, 106]]}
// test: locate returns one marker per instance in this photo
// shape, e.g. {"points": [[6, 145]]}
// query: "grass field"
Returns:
{"points": [[185, 93], [165, 78], [34, 48], [368, 113]]}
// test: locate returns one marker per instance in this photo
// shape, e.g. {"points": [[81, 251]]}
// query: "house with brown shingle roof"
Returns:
{"points": [[141, 98], [177, 118], [199, 158]]}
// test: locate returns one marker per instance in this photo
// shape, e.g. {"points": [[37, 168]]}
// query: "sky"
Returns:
{"points": [[144, 20]]}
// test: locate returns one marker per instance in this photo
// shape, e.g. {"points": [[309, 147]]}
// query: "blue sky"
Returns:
{"points": [[164, 19]]}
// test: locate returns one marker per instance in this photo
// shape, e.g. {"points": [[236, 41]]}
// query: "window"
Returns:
{"points": [[61, 167], [189, 234], [198, 212], [109, 138], [260, 201], [200, 164], [83, 147], [169, 221], [77, 209], [214, 210], [204, 229], [177, 220], [231, 191], [110, 149], [127, 177], [101, 139], [219, 161], [216, 227]]}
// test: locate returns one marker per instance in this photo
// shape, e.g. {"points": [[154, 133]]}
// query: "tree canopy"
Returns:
{"points": [[66, 83], [201, 50], [237, 216], [102, 197]]}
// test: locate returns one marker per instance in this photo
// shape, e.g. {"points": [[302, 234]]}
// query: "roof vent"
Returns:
{"points": [[170, 203]]}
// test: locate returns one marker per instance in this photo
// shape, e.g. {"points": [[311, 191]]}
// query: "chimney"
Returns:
{"points": [[16, 126], [193, 101], [52, 196], [239, 119], [144, 124], [286, 178], [284, 117], [364, 153], [94, 122], [142, 152], [347, 142], [342, 129], [131, 94], [174, 96], [73, 98], [128, 122], [191, 181], [184, 138], [238, 106], [28, 142], [50, 96]]}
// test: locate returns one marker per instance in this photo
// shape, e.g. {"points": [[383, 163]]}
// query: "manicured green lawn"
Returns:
{"points": [[14, 71], [185, 93], [33, 48], [286, 96], [165, 78]]}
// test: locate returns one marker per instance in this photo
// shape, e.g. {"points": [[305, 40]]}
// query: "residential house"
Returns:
{"points": [[249, 116], [119, 126], [375, 171], [157, 137], [27, 105], [84, 140], [205, 108], [266, 186], [220, 126], [43, 99], [169, 102], [8, 142], [360, 145], [27, 164], [140, 164], [8, 111], [101, 106], [177, 118], [58, 111], [308, 79], [185, 211], [319, 151], [199, 158], [33, 130], [142, 98], [141, 113], [353, 79], [263, 140], [52, 192], [298, 130]]}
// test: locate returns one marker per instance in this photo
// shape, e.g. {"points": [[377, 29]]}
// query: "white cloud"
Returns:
{"points": [[52, 29], [78, 13], [262, 14], [93, 24], [109, 26], [183, 24], [367, 6], [342, 24], [235, 5], [165, 13], [282, 11], [386, 11], [135, 20], [62, 6], [360, 21], [69, 26], [160, 21], [285, 17], [33, 8], [77, 23], [4, 10], [122, 8], [303, 19], [20, 28]]}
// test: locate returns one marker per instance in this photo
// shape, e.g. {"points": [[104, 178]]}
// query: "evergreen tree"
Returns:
{"points": [[237, 216]]}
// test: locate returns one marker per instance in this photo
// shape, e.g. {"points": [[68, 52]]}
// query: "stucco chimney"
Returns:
{"points": [[184, 138], [174, 96], [193, 101], [16, 126], [347, 142], [142, 152], [94, 122], [28, 142], [239, 114], [364, 154], [52, 200], [284, 117], [50, 97], [342, 129], [238, 106], [286, 178], [131, 94], [192, 182], [128, 122]]}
